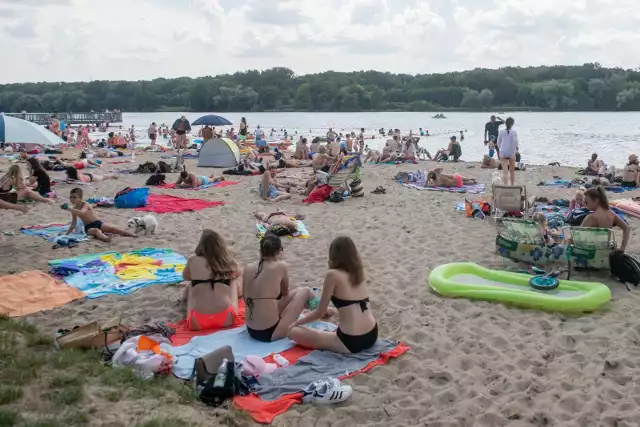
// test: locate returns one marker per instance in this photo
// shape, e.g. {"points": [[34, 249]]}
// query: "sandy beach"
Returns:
{"points": [[471, 363]]}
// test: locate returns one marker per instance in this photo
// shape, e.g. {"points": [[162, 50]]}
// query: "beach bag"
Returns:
{"points": [[131, 198], [336, 197], [92, 335], [577, 216], [205, 369], [147, 167], [357, 189], [164, 167], [625, 268], [157, 179]]}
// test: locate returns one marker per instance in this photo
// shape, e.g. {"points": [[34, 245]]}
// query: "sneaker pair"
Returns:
{"points": [[326, 392]]}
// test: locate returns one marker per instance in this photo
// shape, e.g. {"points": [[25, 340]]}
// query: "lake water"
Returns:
{"points": [[569, 138]]}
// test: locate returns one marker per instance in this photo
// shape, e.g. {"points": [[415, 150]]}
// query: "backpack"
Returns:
{"points": [[147, 167], [336, 197], [214, 396], [625, 268], [164, 167], [577, 216], [157, 179]]}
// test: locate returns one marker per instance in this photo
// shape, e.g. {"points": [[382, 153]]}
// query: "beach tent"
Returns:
{"points": [[219, 153]]}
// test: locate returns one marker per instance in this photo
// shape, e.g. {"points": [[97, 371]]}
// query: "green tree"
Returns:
{"points": [[486, 98], [471, 100]]}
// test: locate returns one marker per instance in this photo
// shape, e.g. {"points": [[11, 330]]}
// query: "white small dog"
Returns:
{"points": [[147, 223], [496, 178]]}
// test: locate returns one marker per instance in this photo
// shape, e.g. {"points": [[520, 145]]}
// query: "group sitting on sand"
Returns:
{"points": [[216, 282]]}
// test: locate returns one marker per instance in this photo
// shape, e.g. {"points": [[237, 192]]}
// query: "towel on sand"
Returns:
{"points": [[162, 203], [303, 232], [264, 411], [120, 274], [33, 291], [472, 189], [183, 334], [202, 187], [51, 232]]}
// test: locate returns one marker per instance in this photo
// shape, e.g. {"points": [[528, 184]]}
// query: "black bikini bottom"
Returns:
{"points": [[357, 343], [263, 335]]}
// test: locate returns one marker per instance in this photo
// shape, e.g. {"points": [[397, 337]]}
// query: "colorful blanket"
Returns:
{"points": [[114, 273], [303, 232], [202, 187], [54, 232], [565, 183], [33, 291], [472, 189], [162, 203]]}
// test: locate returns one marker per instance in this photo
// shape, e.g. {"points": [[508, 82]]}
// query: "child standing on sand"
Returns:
{"points": [[92, 225]]}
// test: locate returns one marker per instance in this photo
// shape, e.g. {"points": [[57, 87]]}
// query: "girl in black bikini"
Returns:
{"points": [[344, 285], [270, 306]]}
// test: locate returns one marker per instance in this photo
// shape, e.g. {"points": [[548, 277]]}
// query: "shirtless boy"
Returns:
{"points": [[92, 225], [321, 160], [191, 180], [279, 218]]}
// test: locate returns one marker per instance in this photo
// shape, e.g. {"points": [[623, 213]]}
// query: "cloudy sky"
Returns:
{"points": [[71, 40]]}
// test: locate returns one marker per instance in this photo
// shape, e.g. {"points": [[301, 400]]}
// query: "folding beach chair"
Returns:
{"points": [[590, 247], [523, 240], [509, 199], [341, 178]]}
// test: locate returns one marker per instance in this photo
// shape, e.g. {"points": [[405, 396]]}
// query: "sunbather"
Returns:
{"points": [[14, 179], [488, 162], [372, 155], [191, 180], [345, 286], [388, 155], [93, 226], [270, 189], [321, 160], [594, 164], [436, 178], [602, 216], [39, 179], [212, 295], [631, 173], [269, 301], [73, 174], [280, 218]]}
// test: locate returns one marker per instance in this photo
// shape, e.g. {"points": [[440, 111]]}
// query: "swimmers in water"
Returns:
{"points": [[344, 286], [216, 284], [191, 180], [436, 178], [268, 299]]}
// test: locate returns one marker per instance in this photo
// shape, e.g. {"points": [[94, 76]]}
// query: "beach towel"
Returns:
{"points": [[236, 172], [33, 291], [472, 189], [302, 233], [115, 273], [183, 334], [565, 183], [264, 411], [52, 232], [162, 203], [629, 206], [184, 156], [239, 340], [202, 187]]}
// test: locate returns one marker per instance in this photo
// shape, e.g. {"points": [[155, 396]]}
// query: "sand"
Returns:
{"points": [[471, 363]]}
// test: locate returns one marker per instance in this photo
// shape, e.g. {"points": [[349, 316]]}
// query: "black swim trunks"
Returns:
{"points": [[93, 224], [263, 335], [357, 343]]}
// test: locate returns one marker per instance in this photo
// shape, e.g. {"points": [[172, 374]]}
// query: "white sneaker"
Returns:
{"points": [[336, 395]]}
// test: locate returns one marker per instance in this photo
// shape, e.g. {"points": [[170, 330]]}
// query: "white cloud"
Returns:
{"points": [[143, 39]]}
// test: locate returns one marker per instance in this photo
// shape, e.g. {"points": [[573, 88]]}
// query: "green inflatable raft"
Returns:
{"points": [[468, 280]]}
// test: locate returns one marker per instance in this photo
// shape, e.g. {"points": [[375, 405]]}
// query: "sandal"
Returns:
{"points": [[379, 190]]}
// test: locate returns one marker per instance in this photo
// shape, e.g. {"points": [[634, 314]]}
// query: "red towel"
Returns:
{"points": [[319, 194], [183, 334], [216, 185], [264, 411], [161, 203]]}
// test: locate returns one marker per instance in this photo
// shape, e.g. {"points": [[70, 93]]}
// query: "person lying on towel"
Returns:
{"points": [[280, 218], [436, 178], [215, 284], [191, 180]]}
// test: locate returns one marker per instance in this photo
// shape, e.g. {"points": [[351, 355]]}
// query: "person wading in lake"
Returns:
{"points": [[491, 130]]}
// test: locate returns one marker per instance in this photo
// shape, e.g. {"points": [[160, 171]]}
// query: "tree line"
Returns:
{"points": [[560, 88]]}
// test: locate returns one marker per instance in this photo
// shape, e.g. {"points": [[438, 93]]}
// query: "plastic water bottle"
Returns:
{"points": [[221, 376], [133, 156], [313, 302], [281, 360]]}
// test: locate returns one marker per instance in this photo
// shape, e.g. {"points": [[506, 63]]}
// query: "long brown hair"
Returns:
{"points": [[598, 194], [509, 124], [13, 176], [344, 256], [213, 248]]}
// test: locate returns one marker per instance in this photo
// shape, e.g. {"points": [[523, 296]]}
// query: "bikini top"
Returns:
{"points": [[339, 303], [226, 282]]}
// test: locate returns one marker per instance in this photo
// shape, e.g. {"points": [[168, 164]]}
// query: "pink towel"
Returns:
{"points": [[161, 203]]}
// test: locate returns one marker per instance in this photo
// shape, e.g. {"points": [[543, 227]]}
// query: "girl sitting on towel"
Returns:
{"points": [[344, 286], [436, 178], [212, 295], [191, 180], [267, 296], [14, 179]]}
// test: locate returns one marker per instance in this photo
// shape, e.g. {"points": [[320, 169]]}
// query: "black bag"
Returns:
{"points": [[164, 167], [147, 167], [336, 197], [577, 216], [157, 179], [625, 268], [214, 396]]}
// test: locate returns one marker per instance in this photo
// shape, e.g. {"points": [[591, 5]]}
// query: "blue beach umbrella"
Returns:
{"points": [[18, 131], [212, 120]]}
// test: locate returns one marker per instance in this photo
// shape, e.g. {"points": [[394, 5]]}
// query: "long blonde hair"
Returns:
{"points": [[13, 176], [213, 248]]}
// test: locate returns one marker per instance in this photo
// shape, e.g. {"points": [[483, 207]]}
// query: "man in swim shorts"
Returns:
{"points": [[270, 189]]}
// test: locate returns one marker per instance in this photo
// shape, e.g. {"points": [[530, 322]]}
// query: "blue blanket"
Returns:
{"points": [[239, 340], [114, 273], [56, 233], [565, 183]]}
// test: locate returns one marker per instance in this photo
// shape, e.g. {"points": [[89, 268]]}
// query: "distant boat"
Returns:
{"points": [[439, 116]]}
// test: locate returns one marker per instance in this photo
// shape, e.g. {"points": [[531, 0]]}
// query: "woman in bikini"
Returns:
{"points": [[602, 217], [73, 174], [269, 301], [191, 180], [345, 286], [436, 178], [14, 179], [85, 162], [212, 295], [631, 173]]}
